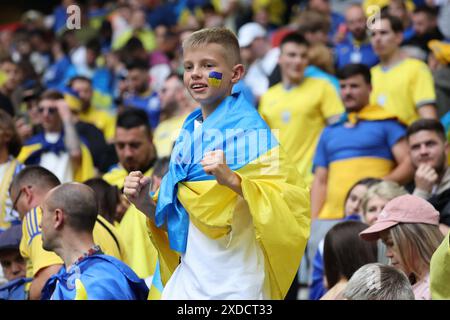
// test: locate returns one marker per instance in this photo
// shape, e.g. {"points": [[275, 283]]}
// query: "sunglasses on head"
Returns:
{"points": [[51, 110]]}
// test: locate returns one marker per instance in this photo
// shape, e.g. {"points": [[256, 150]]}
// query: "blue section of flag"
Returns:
{"points": [[156, 281]]}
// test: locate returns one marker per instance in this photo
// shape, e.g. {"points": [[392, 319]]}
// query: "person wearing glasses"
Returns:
{"points": [[59, 147]]}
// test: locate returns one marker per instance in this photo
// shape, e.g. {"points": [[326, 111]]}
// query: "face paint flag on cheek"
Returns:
{"points": [[215, 78]]}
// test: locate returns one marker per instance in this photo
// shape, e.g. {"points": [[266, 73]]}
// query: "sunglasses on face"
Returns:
{"points": [[14, 205], [51, 110]]}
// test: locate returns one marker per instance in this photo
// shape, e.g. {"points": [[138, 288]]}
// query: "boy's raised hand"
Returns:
{"points": [[137, 189], [214, 162]]}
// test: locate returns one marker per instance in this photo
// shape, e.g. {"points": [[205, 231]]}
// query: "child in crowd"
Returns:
{"points": [[239, 221]]}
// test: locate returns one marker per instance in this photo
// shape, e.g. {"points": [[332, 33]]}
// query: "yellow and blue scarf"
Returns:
{"points": [[275, 193]]}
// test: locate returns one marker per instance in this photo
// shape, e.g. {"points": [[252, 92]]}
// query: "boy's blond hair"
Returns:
{"points": [[221, 36]]}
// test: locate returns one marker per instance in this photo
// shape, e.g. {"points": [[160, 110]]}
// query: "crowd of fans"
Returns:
{"points": [[360, 99]]}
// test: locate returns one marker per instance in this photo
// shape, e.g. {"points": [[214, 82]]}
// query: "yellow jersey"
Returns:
{"points": [[300, 114], [403, 88], [165, 135], [440, 271]]}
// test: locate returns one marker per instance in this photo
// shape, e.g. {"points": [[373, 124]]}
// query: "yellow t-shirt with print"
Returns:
{"points": [[300, 114], [165, 135], [101, 119], [403, 88], [31, 245]]}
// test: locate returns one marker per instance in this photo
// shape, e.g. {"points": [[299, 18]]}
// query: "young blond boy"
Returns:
{"points": [[232, 217]]}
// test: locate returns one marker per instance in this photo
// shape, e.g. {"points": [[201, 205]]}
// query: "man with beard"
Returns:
{"points": [[429, 151], [356, 48], [368, 141], [136, 152]]}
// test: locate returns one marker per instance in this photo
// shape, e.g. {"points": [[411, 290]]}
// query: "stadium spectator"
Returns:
{"points": [[409, 227]]}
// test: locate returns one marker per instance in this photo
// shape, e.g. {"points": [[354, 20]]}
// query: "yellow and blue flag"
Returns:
{"points": [[215, 78], [72, 99], [96, 277], [277, 197], [34, 147]]}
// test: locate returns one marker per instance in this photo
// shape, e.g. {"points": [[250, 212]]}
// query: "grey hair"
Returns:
{"points": [[376, 281]]}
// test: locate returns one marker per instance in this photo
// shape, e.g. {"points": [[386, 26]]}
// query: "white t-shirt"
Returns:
{"points": [[60, 164], [257, 77], [231, 267]]}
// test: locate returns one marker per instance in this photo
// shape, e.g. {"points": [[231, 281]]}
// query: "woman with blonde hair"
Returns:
{"points": [[409, 227], [376, 198]]}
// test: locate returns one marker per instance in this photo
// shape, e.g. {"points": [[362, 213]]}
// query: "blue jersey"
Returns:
{"points": [[351, 52]]}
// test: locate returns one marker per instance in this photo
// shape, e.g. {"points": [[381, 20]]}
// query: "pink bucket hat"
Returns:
{"points": [[403, 209]]}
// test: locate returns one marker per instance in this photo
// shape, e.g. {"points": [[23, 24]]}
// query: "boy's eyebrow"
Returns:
{"points": [[202, 60]]}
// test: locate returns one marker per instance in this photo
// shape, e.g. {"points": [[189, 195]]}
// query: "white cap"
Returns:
{"points": [[249, 32]]}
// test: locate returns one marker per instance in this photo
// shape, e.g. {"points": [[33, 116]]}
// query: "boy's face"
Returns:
{"points": [[199, 63]]}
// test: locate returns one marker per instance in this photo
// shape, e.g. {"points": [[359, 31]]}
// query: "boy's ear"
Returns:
{"points": [[238, 73]]}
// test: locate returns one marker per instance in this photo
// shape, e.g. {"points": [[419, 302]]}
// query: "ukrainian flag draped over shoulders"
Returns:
{"points": [[277, 197], [96, 277]]}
